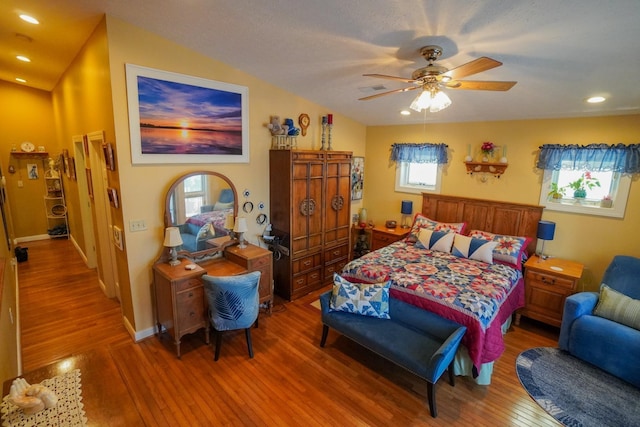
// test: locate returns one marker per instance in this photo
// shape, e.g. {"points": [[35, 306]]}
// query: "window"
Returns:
{"points": [[590, 179], [418, 177], [607, 199], [419, 166], [195, 193]]}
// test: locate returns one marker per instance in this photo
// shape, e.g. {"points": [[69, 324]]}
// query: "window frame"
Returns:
{"points": [[401, 186], [570, 205]]}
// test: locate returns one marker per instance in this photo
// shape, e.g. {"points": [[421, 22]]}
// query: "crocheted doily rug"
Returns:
{"points": [[67, 413]]}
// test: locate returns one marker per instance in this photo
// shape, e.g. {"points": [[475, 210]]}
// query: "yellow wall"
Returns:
{"points": [[144, 186], [82, 105], [25, 115], [591, 240]]}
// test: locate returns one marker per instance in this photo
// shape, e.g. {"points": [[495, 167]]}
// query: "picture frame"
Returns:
{"points": [[357, 177], [85, 149], [218, 126], [32, 171], [71, 168], [89, 183], [113, 197], [109, 159]]}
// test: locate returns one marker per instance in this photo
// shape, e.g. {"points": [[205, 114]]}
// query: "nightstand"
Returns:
{"points": [[383, 236], [547, 284]]}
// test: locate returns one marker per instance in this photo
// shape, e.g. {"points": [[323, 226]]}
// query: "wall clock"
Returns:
{"points": [[27, 147]]}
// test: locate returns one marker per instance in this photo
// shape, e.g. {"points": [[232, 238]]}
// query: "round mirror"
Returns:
{"points": [[201, 204]]}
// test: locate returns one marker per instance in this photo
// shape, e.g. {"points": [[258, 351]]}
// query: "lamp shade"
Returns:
{"points": [[407, 207], [172, 237], [241, 225], [228, 222], [546, 230]]}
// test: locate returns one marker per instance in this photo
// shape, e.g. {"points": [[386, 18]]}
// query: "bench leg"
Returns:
{"points": [[452, 377], [325, 332], [431, 396]]}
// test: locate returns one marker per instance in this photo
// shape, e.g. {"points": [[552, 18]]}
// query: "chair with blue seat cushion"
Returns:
{"points": [[604, 328], [233, 304]]}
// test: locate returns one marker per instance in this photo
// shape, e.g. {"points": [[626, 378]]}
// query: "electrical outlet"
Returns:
{"points": [[20, 184], [137, 225]]}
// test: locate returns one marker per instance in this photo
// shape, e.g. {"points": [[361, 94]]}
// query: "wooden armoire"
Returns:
{"points": [[310, 198]]}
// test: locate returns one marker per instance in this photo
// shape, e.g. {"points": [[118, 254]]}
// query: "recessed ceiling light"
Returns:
{"points": [[29, 19], [23, 58], [596, 99], [405, 112], [18, 79]]}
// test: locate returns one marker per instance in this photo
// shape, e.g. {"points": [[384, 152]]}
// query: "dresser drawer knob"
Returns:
{"points": [[190, 294], [307, 263]]}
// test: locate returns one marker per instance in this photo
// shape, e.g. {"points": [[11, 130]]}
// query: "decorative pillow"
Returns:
{"points": [[478, 249], [618, 307], [368, 299], [510, 250], [420, 221], [204, 232], [220, 206], [435, 240]]}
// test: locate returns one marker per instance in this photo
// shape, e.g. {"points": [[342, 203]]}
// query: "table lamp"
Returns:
{"points": [[240, 228], [406, 210], [172, 240], [546, 230], [229, 223]]}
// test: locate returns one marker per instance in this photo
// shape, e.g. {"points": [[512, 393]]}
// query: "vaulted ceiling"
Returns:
{"points": [[559, 52]]}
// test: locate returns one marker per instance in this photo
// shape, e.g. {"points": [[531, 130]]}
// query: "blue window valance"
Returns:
{"points": [[592, 157], [419, 153]]}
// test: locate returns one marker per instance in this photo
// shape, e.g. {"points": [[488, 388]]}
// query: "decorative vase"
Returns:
{"points": [[503, 160], [580, 193], [363, 216], [606, 203], [485, 158]]}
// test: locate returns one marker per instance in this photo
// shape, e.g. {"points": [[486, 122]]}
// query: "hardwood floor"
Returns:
{"points": [[290, 381]]}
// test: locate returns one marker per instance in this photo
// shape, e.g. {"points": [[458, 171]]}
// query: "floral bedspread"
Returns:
{"points": [[477, 295], [216, 218]]}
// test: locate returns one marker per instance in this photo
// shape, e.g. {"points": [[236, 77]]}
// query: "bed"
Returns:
{"points": [[461, 286]]}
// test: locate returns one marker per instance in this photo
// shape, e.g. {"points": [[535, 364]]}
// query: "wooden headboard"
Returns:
{"points": [[512, 219]]}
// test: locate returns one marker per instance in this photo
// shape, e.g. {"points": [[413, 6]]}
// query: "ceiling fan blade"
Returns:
{"points": [[484, 85], [473, 67], [384, 76], [366, 98]]}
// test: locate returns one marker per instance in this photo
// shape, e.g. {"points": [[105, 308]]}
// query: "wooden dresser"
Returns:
{"points": [[310, 197], [181, 305]]}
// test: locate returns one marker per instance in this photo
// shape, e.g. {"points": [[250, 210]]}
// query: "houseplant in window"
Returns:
{"points": [[556, 192], [580, 185]]}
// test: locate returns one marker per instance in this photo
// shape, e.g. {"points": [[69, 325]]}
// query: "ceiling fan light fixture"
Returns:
{"points": [[596, 99], [434, 100], [439, 102]]}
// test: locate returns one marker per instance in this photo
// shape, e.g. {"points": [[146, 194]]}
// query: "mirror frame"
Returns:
{"points": [[167, 214]]}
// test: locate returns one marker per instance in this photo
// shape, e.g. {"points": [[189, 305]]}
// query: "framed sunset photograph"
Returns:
{"points": [[175, 118]]}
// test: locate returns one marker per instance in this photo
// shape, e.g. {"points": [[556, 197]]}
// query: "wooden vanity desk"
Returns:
{"points": [[181, 304]]}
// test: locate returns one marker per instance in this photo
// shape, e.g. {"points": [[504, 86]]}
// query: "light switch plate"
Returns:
{"points": [[118, 238]]}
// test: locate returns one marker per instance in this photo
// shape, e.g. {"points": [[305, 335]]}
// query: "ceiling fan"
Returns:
{"points": [[432, 78]]}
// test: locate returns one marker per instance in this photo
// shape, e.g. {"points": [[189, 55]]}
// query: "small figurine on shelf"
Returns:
{"points": [[292, 130], [276, 128]]}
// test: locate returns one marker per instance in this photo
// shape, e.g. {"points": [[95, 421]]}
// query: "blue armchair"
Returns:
{"points": [[609, 345]]}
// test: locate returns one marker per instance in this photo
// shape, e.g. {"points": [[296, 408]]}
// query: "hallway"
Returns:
{"points": [[62, 308]]}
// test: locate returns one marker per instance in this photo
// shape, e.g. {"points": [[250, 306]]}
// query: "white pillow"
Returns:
{"points": [[478, 249], [435, 240]]}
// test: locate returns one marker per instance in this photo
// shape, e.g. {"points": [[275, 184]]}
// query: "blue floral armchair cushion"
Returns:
{"points": [[233, 300]]}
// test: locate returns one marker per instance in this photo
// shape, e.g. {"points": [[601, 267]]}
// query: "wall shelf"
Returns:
{"points": [[33, 155], [496, 169]]}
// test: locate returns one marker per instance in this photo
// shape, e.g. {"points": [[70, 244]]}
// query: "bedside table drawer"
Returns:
{"points": [[188, 284], [547, 279]]}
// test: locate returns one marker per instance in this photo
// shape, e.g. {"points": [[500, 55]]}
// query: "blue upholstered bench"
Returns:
{"points": [[417, 340]]}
